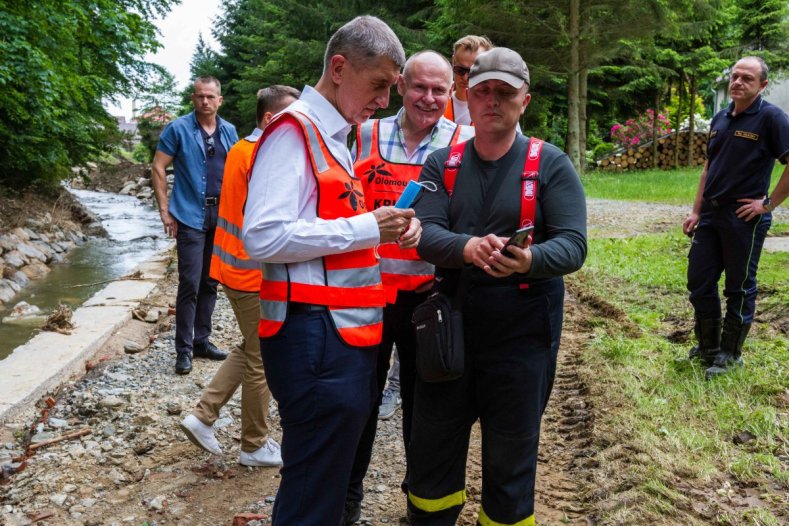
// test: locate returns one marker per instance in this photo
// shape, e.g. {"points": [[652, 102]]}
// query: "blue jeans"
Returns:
{"points": [[194, 303], [325, 391], [724, 242]]}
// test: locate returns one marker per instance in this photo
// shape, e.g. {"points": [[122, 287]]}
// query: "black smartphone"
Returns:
{"points": [[519, 238]]}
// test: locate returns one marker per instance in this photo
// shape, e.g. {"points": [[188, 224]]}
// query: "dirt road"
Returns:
{"points": [[136, 468]]}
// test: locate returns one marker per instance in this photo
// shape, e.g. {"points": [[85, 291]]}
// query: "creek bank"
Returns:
{"points": [[38, 237]]}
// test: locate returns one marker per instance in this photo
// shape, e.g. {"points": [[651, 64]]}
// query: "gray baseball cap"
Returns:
{"points": [[500, 63]]}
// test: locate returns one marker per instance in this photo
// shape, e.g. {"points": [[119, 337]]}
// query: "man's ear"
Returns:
{"points": [[400, 85], [267, 118], [337, 66]]}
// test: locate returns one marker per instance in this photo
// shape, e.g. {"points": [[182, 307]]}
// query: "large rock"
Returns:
{"points": [[20, 278], [35, 270], [9, 242], [31, 251], [15, 259], [6, 291], [20, 233]]}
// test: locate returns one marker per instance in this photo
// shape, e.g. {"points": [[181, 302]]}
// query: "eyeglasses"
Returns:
{"points": [[461, 71], [210, 150]]}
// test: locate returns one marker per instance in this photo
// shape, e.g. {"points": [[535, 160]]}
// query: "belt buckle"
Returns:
{"points": [[211, 201]]}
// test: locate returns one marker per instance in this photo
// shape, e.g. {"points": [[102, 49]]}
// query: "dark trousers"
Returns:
{"points": [[194, 303], [724, 242], [511, 341], [325, 390], [397, 331]]}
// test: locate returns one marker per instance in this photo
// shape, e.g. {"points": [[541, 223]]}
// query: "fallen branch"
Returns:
{"points": [[61, 438], [136, 276]]}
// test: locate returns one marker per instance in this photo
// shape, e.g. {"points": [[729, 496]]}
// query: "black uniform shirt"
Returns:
{"points": [[559, 245], [742, 150]]}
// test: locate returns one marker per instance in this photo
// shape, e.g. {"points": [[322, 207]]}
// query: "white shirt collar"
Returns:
{"points": [[316, 105]]}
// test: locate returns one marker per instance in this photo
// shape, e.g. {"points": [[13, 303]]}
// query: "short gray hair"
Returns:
{"points": [[409, 63], [364, 39]]}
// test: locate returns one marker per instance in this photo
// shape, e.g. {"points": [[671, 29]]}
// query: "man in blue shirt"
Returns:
{"points": [[197, 145], [732, 213]]}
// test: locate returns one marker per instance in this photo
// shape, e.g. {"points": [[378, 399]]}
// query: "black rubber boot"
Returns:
{"points": [[708, 334], [730, 354]]}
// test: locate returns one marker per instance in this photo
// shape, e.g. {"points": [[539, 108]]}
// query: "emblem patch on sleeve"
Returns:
{"points": [[747, 135]]}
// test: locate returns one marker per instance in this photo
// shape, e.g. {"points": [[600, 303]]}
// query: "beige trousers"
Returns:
{"points": [[243, 366]]}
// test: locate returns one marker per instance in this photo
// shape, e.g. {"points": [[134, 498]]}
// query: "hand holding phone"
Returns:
{"points": [[519, 238]]}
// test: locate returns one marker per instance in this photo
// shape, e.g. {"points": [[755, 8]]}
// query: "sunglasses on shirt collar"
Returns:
{"points": [[209, 143]]}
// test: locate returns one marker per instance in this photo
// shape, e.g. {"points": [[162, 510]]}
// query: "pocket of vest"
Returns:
{"points": [[439, 339]]}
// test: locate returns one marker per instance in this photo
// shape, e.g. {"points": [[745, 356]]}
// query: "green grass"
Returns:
{"points": [[677, 427], [676, 187]]}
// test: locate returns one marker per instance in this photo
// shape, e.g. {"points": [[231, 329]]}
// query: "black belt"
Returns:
{"points": [[296, 307], [212, 201]]}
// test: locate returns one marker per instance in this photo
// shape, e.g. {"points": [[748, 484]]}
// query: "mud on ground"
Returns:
{"points": [[136, 467]]}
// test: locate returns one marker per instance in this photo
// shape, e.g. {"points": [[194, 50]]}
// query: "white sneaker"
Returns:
{"points": [[268, 455], [200, 434]]}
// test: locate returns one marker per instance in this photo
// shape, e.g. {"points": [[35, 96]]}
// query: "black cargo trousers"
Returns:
{"points": [[512, 341]]}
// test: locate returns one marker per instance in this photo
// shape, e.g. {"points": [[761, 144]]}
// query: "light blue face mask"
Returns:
{"points": [[412, 190]]}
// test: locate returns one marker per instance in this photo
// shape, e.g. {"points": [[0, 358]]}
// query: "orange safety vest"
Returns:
{"points": [[230, 264], [383, 182], [352, 291], [449, 113]]}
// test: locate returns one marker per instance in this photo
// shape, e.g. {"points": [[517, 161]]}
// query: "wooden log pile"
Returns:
{"points": [[671, 151]]}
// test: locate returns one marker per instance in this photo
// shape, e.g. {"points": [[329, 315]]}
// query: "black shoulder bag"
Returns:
{"points": [[438, 321]]}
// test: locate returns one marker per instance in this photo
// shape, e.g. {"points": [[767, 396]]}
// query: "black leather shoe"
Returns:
{"points": [[208, 350], [183, 363], [351, 513]]}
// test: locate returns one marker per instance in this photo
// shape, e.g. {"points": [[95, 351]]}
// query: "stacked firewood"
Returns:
{"points": [[673, 150]]}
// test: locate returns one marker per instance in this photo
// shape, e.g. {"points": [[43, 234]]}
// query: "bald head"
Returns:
{"points": [[427, 58], [756, 62]]}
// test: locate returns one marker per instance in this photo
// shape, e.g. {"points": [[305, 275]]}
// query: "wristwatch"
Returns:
{"points": [[767, 204]]}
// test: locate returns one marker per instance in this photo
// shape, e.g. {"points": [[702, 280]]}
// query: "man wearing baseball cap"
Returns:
{"points": [[511, 300]]}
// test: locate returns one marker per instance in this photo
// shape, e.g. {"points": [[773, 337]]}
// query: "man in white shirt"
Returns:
{"points": [[464, 53], [321, 295]]}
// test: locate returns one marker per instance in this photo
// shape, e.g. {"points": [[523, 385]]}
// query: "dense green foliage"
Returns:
{"points": [[268, 42], [58, 61], [593, 62]]}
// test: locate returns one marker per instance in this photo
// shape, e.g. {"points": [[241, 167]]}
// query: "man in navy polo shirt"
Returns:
{"points": [[197, 145], [732, 213]]}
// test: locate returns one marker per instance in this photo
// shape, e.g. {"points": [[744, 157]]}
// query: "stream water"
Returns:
{"points": [[135, 234]]}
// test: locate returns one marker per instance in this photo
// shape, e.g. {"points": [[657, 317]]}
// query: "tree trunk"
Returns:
{"points": [[679, 122], [583, 76], [691, 120], [654, 129], [573, 102]]}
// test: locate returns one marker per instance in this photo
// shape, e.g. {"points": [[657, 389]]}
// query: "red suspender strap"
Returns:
{"points": [[529, 182], [452, 166]]}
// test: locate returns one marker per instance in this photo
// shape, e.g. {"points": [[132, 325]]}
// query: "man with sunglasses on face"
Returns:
{"points": [[197, 145], [464, 52]]}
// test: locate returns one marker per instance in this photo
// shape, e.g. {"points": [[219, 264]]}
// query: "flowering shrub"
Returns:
{"points": [[639, 130], [700, 124]]}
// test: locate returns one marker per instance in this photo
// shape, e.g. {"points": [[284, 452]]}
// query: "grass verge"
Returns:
{"points": [[674, 448], [676, 187]]}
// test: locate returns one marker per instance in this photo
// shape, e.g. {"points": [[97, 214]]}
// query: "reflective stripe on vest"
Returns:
{"points": [[230, 264], [383, 183], [353, 291]]}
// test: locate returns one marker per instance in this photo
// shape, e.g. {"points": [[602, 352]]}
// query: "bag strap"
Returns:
{"points": [[530, 178]]}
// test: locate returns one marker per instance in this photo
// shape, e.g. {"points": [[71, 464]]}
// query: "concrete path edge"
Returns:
{"points": [[50, 359]]}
